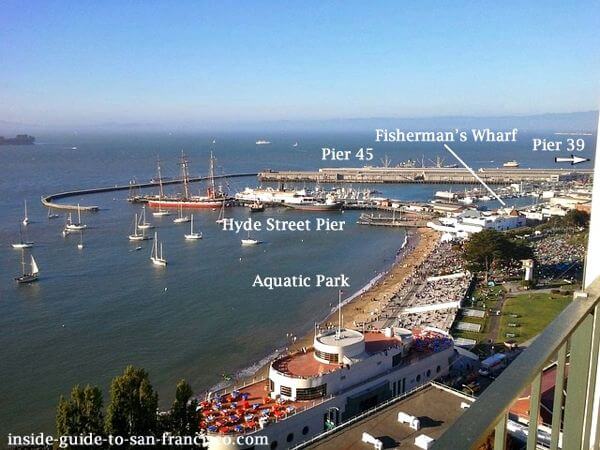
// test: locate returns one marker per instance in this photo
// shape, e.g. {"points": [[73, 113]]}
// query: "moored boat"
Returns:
{"points": [[157, 256], [192, 234], [31, 275], [214, 197]]}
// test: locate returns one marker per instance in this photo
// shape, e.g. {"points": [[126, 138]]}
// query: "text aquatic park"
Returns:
{"points": [[455, 135], [301, 281]]}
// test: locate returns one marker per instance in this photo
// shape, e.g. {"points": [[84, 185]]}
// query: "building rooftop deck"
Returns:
{"points": [[436, 408], [240, 411], [304, 364]]}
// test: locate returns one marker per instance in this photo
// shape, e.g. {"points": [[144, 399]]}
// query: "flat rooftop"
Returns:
{"points": [[436, 408]]}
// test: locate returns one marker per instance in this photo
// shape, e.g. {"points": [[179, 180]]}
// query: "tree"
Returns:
{"points": [[488, 247], [81, 413], [133, 405], [183, 414], [576, 218]]}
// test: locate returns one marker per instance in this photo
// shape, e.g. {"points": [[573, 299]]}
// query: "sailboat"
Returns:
{"points": [[156, 256], [221, 218], [80, 244], [161, 212], [26, 217], [181, 218], [143, 225], [22, 243], [32, 275], [75, 226], [193, 235], [137, 236], [51, 215], [250, 241]]}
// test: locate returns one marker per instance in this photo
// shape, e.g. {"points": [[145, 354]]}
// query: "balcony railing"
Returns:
{"points": [[576, 333]]}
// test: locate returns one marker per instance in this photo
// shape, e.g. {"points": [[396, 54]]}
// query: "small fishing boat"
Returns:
{"points": [[193, 235], [23, 243], [157, 256], [143, 224], [161, 213], [137, 236], [25, 217], [181, 218], [28, 276], [257, 207], [250, 241]]}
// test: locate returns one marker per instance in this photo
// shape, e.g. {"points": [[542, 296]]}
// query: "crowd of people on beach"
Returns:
{"points": [[441, 319], [417, 290], [557, 255]]}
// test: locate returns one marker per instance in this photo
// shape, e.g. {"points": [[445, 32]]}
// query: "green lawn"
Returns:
{"points": [[535, 311]]}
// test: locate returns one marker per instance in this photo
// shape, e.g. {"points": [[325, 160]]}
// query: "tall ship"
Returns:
{"points": [[19, 139], [214, 198], [344, 373]]}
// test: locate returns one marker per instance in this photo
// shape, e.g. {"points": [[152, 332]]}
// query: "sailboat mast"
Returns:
{"points": [[339, 313], [25, 209], [78, 214]]}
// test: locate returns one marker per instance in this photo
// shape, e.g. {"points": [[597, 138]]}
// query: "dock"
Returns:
{"points": [[425, 175], [48, 200], [403, 221]]}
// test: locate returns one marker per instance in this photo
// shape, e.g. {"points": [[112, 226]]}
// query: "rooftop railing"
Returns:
{"points": [[576, 333]]}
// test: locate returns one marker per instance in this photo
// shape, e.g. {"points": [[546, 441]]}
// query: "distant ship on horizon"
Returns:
{"points": [[19, 139], [512, 163], [262, 142]]}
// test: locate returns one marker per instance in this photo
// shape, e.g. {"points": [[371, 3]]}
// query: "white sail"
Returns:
{"points": [[34, 267]]}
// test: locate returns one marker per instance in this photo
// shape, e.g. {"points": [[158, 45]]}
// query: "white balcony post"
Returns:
{"points": [[592, 271]]}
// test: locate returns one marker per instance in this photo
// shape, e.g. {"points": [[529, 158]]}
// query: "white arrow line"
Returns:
{"points": [[475, 175], [572, 159]]}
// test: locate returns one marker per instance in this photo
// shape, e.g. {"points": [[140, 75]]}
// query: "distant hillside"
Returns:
{"points": [[569, 122]]}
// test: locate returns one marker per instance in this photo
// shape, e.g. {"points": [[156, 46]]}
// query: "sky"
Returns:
{"points": [[85, 63]]}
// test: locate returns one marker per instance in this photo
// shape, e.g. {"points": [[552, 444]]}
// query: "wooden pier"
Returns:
{"points": [[404, 220], [425, 175]]}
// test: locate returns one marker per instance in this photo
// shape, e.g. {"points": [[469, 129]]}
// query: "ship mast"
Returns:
{"points": [[161, 194], [211, 176], [184, 176]]}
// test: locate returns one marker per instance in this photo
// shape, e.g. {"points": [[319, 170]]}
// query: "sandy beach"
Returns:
{"points": [[373, 301]]}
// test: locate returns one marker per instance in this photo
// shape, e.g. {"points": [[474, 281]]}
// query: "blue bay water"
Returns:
{"points": [[99, 309]]}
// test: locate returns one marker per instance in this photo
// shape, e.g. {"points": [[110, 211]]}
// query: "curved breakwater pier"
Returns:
{"points": [[48, 200]]}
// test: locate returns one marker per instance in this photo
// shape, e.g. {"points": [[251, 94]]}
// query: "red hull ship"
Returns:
{"points": [[213, 199]]}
